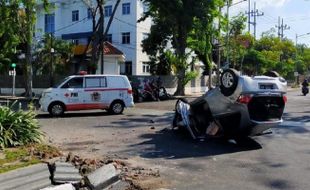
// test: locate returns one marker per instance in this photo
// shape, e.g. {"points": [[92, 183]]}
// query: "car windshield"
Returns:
{"points": [[60, 82]]}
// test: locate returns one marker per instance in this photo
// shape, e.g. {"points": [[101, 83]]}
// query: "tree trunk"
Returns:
{"points": [[180, 85], [28, 65], [180, 51]]}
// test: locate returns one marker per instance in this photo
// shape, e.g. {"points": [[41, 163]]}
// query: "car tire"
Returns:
{"points": [[116, 108], [229, 81], [56, 109], [271, 74]]}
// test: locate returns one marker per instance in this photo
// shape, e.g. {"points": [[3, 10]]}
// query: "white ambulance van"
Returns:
{"points": [[84, 92]]}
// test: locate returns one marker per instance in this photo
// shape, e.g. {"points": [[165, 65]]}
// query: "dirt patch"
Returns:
{"points": [[18, 157], [139, 178]]}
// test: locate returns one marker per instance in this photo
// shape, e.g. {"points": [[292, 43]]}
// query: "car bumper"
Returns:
{"points": [[43, 105], [259, 127]]}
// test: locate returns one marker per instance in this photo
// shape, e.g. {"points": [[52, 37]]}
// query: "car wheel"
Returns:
{"points": [[229, 81], [56, 109], [116, 107]]}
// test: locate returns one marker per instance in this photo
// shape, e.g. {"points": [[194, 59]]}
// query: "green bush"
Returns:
{"points": [[18, 128]]}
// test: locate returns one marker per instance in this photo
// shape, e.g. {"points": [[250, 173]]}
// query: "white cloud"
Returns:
{"points": [[272, 3], [261, 3]]}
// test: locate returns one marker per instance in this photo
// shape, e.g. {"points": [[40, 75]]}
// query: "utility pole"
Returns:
{"points": [[249, 16], [255, 13], [281, 28], [52, 51]]}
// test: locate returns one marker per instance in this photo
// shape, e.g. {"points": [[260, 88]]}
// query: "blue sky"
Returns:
{"points": [[295, 13]]}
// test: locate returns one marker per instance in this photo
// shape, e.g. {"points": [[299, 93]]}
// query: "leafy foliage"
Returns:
{"points": [[61, 56], [173, 22], [18, 128]]}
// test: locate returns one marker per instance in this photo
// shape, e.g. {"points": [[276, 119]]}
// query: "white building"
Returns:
{"points": [[71, 20]]}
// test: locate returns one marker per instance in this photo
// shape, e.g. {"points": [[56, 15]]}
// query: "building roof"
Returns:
{"points": [[109, 49]]}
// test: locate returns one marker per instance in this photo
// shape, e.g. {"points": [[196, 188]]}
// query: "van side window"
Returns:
{"points": [[74, 83], [95, 82]]}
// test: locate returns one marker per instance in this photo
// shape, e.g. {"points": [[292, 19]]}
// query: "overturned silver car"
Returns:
{"points": [[241, 106]]}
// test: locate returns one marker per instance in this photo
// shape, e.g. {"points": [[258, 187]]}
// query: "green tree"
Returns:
{"points": [[238, 41], [17, 27], [270, 53], [202, 34], [42, 56], [9, 38], [176, 18]]}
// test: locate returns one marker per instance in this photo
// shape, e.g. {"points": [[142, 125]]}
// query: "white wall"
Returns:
{"points": [[111, 65], [121, 23]]}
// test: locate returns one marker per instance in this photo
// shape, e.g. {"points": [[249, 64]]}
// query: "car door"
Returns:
{"points": [[95, 96], [72, 93]]}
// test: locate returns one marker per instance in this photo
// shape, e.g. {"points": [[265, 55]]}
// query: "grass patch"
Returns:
{"points": [[18, 157]]}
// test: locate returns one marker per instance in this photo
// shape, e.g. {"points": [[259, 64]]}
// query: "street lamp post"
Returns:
{"points": [[296, 43], [52, 51]]}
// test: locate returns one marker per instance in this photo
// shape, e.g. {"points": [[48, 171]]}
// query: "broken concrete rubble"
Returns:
{"points": [[58, 174], [65, 173], [103, 177]]}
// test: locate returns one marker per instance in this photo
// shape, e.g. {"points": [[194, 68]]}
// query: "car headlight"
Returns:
{"points": [[45, 94]]}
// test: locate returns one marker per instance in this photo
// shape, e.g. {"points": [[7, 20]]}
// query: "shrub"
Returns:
{"points": [[18, 127]]}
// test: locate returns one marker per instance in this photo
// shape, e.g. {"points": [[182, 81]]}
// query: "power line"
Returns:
{"points": [[253, 13], [68, 26], [281, 28], [133, 25]]}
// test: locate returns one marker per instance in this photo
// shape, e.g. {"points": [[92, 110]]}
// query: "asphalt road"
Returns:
{"points": [[143, 135]]}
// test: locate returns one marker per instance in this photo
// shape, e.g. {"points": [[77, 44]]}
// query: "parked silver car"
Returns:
{"points": [[240, 106]]}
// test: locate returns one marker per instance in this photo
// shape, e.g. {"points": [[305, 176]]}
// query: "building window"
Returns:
{"points": [[75, 41], [128, 68], [89, 13], [108, 38], [75, 15], [49, 25], [126, 38], [126, 8], [108, 11], [145, 67]]}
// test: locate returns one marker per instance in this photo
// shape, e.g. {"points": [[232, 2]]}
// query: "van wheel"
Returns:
{"points": [[116, 107], [56, 109]]}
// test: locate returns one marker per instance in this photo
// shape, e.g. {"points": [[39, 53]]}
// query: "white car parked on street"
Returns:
{"points": [[85, 92]]}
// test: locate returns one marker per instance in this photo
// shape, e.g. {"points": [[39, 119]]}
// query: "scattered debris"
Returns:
{"points": [[103, 177], [76, 173], [65, 173]]}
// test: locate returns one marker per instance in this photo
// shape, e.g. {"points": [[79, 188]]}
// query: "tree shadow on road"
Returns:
{"points": [[170, 144], [74, 114], [305, 117]]}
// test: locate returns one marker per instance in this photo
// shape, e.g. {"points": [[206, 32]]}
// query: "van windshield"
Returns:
{"points": [[60, 82]]}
